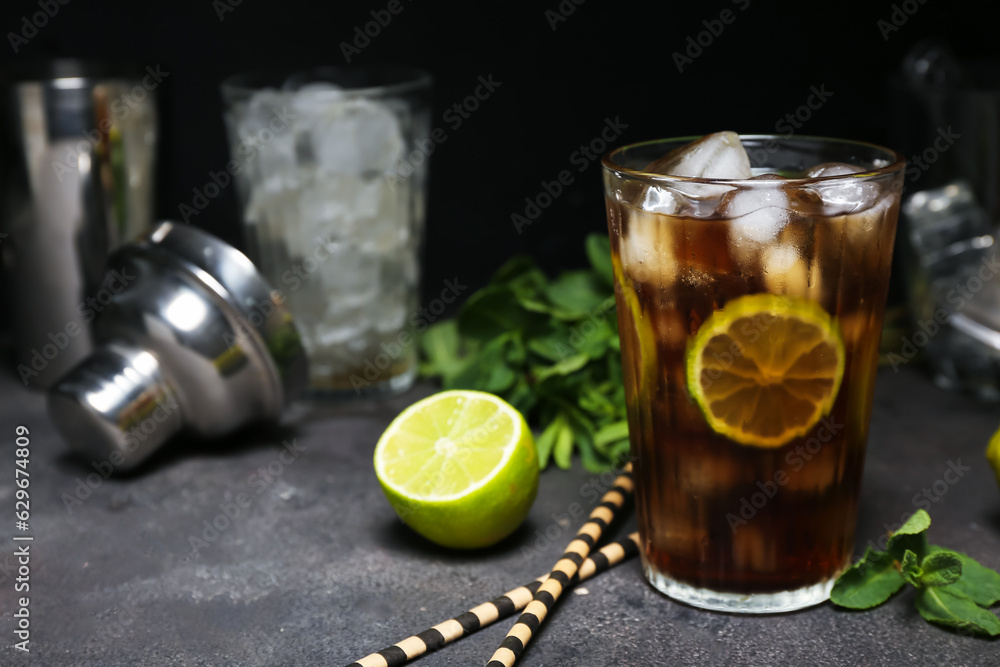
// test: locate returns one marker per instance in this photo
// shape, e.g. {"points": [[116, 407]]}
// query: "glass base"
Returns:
{"points": [[396, 384], [741, 603]]}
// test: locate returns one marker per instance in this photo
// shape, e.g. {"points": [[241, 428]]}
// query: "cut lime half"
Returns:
{"points": [[459, 467]]}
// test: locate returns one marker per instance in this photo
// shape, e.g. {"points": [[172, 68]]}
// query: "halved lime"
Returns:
{"points": [[459, 467], [765, 368]]}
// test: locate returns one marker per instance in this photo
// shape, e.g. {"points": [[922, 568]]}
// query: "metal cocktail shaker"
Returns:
{"points": [[196, 339], [78, 145]]}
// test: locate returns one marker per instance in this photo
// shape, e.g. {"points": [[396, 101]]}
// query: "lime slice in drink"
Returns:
{"points": [[993, 454], [765, 368], [459, 467]]}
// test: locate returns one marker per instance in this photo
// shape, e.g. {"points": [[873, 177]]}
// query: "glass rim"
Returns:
{"points": [[406, 78], [897, 163], [88, 71]]}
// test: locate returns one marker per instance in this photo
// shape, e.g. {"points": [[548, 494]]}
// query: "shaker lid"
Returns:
{"points": [[135, 392], [233, 277]]}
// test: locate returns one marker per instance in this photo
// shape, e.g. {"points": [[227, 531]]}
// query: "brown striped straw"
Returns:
{"points": [[563, 572], [490, 612]]}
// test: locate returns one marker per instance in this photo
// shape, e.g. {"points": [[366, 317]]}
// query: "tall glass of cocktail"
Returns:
{"points": [[751, 276]]}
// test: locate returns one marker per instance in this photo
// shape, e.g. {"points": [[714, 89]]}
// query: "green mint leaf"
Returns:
{"points": [[564, 367], [493, 312], [599, 254], [515, 353], [980, 583], [615, 371], [488, 370], [918, 522], [911, 535], [536, 304], [561, 339], [868, 583], [611, 433], [498, 378], [583, 433], [545, 442], [519, 271], [618, 452], [561, 391], [599, 401], [440, 345], [552, 347], [577, 291], [940, 568], [952, 589], [910, 568], [950, 607], [521, 396], [562, 454], [592, 462], [593, 335], [615, 344]]}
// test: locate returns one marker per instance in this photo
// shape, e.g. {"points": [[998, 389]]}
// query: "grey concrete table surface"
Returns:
{"points": [[301, 561]]}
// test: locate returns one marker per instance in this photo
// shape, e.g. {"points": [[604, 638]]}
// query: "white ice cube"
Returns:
{"points": [[273, 207], [334, 332], [337, 206], [757, 214], [349, 276], [647, 249], [388, 226], [833, 169], [389, 312], [347, 135], [262, 106], [842, 195], [314, 87], [754, 549], [660, 200], [864, 226], [787, 272], [266, 136], [717, 155]]}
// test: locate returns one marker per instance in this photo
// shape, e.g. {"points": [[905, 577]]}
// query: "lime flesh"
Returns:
{"points": [[765, 368]]}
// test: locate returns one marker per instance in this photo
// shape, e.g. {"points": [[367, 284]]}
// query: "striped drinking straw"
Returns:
{"points": [[564, 570], [491, 612]]}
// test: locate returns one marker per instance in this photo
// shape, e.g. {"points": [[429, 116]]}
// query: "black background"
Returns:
{"points": [[560, 81]]}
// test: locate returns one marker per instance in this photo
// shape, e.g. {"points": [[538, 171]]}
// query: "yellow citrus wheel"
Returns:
{"points": [[765, 368]]}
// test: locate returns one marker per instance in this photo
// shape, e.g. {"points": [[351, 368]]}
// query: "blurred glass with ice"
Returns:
{"points": [[953, 267], [334, 212]]}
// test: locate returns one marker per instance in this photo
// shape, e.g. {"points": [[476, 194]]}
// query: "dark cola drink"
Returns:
{"points": [[750, 308]]}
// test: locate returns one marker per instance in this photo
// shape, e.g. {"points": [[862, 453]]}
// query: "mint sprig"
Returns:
{"points": [[952, 589], [550, 348]]}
